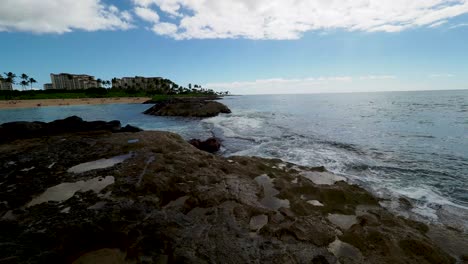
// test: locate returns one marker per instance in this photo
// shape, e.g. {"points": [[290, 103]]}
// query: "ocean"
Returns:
{"points": [[411, 145]]}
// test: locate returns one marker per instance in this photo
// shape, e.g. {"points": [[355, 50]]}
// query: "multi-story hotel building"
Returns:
{"points": [[66, 81], [4, 85]]}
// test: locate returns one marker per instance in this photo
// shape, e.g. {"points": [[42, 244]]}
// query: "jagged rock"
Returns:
{"points": [[20, 130], [210, 145], [169, 202], [188, 108]]}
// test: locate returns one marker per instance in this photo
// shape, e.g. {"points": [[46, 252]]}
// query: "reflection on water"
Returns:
{"points": [[99, 164], [66, 190], [269, 192]]}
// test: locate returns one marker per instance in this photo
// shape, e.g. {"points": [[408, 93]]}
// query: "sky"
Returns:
{"points": [[244, 46]]}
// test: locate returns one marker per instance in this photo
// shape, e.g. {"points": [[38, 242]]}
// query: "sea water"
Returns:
{"points": [[411, 145]]}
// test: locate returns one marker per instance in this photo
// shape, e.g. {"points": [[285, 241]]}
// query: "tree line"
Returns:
{"points": [[25, 79], [160, 86]]}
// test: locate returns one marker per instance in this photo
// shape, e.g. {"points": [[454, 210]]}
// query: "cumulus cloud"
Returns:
{"points": [[61, 16], [289, 19], [306, 85], [165, 29], [147, 14]]}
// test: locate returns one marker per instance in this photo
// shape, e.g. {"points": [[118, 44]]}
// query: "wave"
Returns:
{"points": [[386, 173]]}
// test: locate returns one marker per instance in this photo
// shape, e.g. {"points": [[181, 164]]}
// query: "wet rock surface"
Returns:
{"points": [[170, 202], [20, 130], [210, 145], [192, 107]]}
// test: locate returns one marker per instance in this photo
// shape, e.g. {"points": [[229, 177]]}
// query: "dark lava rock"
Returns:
{"points": [[21, 130], [210, 145], [188, 108], [169, 202], [131, 129]]}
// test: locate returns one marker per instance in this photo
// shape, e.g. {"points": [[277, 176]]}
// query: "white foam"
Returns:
{"points": [[301, 145]]}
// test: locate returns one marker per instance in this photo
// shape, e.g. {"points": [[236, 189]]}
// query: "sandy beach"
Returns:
{"points": [[11, 104]]}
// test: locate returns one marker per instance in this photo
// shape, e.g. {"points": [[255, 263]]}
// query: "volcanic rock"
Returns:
{"points": [[21, 130], [210, 145], [188, 108], [165, 201]]}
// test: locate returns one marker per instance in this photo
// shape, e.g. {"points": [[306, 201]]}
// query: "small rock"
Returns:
{"points": [[315, 203], [258, 222], [210, 145]]}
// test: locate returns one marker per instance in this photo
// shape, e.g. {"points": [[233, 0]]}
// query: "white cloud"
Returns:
{"points": [[441, 75], [289, 19], [377, 77], [307, 85], [459, 25], [438, 24], [61, 16], [167, 29], [147, 14]]}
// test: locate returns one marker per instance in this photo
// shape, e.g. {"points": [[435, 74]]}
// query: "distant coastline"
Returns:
{"points": [[16, 104]]}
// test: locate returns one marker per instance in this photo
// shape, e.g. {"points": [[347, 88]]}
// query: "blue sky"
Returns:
{"points": [[243, 47]]}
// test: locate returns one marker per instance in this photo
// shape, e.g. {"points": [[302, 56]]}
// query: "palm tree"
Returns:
{"points": [[10, 77], [24, 83], [25, 78], [31, 81], [99, 81]]}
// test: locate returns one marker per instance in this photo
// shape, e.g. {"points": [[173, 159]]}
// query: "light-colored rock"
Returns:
{"points": [[322, 178], [257, 222], [342, 221]]}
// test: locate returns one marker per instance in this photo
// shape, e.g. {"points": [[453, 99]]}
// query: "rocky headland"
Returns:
{"points": [[98, 196], [188, 107]]}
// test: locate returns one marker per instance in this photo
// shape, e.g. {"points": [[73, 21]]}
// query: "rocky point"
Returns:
{"points": [[151, 197]]}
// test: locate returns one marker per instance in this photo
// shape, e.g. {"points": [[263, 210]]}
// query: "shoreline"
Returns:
{"points": [[265, 200], [17, 104]]}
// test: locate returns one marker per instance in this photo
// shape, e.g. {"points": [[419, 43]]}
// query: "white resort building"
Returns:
{"points": [[67, 81], [5, 86]]}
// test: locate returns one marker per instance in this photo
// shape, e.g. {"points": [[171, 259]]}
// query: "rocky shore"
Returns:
{"points": [[188, 107], [150, 197]]}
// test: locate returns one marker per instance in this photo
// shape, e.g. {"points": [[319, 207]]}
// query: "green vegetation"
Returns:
{"points": [[159, 89], [70, 94], [90, 93], [25, 79], [164, 97]]}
